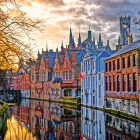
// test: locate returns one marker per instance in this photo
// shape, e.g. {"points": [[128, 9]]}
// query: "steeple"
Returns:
{"points": [[99, 37], [93, 40], [62, 48], [100, 43], [89, 34], [70, 38], [46, 48], [79, 39], [62, 45], [38, 52]]}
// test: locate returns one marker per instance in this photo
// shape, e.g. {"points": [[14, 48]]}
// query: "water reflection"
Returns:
{"points": [[41, 120]]}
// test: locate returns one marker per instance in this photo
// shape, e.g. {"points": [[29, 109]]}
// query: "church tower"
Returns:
{"points": [[125, 36], [125, 23]]}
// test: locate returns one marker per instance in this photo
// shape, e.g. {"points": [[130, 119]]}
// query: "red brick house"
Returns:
{"points": [[122, 79]]}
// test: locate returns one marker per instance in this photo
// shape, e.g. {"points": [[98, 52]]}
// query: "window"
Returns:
{"points": [[123, 62], [82, 98], [89, 64], [128, 62], [99, 91], [109, 66], [114, 65], [84, 65], [128, 107], [70, 74], [93, 65], [114, 83], [113, 104], [105, 67], [66, 56], [46, 93], [124, 82], [129, 82], [52, 91], [63, 75], [109, 83], [46, 107], [118, 84], [99, 126], [93, 100], [33, 76], [87, 112], [134, 82], [118, 64], [86, 98], [66, 64], [49, 76], [106, 83], [56, 91], [66, 75], [88, 82], [120, 105], [99, 76], [134, 60]]}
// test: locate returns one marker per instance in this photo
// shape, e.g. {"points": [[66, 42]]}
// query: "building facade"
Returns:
{"points": [[92, 69], [122, 79]]}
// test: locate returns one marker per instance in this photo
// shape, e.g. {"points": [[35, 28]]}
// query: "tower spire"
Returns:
{"points": [[70, 38], [46, 47], [79, 39]]}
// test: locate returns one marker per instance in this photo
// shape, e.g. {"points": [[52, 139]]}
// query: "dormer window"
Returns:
{"points": [[66, 64], [55, 66]]}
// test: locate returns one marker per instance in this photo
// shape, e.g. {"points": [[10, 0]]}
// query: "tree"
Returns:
{"points": [[16, 29], [136, 22]]}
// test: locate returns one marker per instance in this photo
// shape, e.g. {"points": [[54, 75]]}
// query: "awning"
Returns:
{"points": [[57, 122]]}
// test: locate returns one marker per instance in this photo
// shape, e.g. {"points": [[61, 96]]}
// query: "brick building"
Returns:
{"points": [[122, 79]]}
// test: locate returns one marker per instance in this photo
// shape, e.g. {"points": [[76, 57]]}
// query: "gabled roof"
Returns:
{"points": [[69, 53], [79, 56], [127, 48], [51, 59]]}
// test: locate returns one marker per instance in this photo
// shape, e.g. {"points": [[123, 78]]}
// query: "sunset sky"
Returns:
{"points": [[101, 15]]}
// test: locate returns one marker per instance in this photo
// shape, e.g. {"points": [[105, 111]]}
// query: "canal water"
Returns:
{"points": [[41, 120]]}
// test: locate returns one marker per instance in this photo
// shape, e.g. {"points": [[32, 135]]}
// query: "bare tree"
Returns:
{"points": [[16, 29], [136, 22]]}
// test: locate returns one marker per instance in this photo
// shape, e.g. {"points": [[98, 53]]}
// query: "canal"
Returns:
{"points": [[41, 120]]}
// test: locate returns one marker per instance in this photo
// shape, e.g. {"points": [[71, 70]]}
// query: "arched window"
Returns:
{"points": [[118, 83]]}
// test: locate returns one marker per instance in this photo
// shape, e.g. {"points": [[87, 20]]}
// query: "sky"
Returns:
{"points": [[101, 15]]}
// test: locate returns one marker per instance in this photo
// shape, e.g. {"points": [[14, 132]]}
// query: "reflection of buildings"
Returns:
{"points": [[44, 118], [93, 125], [118, 129]]}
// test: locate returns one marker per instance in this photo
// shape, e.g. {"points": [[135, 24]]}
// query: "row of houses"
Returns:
{"points": [[110, 77]]}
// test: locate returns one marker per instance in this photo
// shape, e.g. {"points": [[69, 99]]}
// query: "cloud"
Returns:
{"points": [[101, 15]]}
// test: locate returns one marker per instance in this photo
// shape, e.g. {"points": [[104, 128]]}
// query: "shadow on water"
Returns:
{"points": [[33, 119]]}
